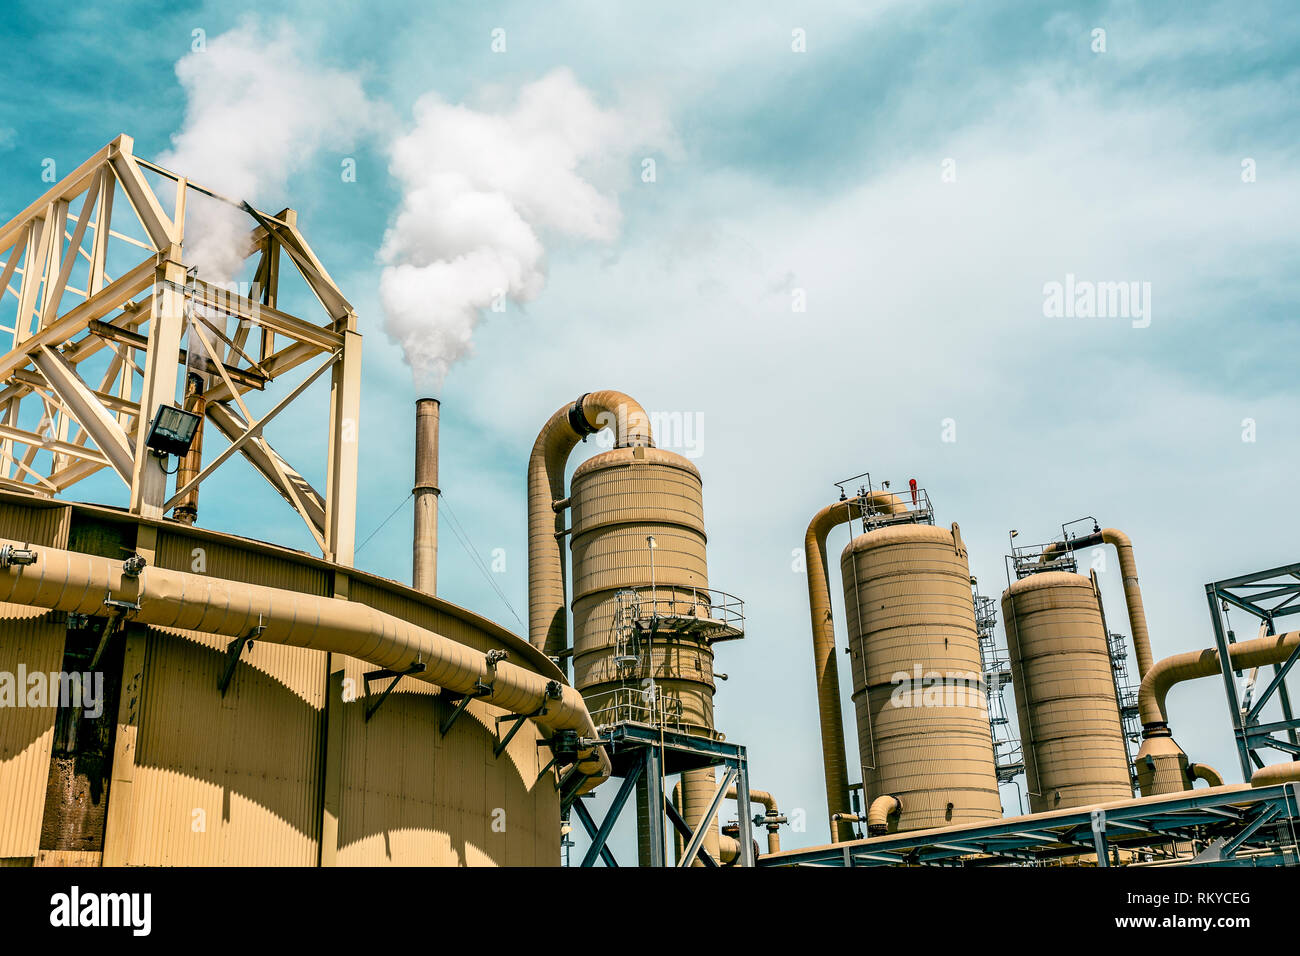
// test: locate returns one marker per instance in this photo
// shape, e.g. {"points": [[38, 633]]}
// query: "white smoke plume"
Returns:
{"points": [[479, 190], [257, 111]]}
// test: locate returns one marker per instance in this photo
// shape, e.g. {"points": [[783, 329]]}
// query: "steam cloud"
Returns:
{"points": [[257, 111], [478, 188]]}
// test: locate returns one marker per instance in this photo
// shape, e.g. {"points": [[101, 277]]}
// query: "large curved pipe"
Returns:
{"points": [[829, 712], [1137, 615], [1274, 773], [592, 412], [1161, 678], [878, 814], [1203, 771], [77, 583]]}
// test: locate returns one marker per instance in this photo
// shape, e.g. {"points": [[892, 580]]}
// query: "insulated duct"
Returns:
{"points": [[546, 501], [424, 558], [1276, 773], [77, 583], [1203, 771], [878, 814], [834, 761], [1137, 615], [1161, 764]]}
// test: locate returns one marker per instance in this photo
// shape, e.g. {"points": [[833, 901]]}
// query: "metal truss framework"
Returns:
{"points": [[60, 308], [1246, 827], [641, 750], [1267, 595]]}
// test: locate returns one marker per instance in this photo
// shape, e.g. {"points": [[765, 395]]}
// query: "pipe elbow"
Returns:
{"points": [[878, 814], [1203, 771]]}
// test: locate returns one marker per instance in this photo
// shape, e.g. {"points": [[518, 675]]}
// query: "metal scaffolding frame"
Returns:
{"points": [[653, 753], [1242, 827], [58, 428], [1266, 595]]}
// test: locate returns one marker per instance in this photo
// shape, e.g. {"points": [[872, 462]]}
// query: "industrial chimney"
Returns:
{"points": [[425, 554]]}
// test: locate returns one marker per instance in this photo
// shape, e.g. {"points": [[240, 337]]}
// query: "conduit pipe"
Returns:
{"points": [[1275, 773], [843, 820], [768, 802], [1137, 616], [878, 814], [1161, 764], [1203, 771], [1161, 678], [547, 500], [829, 710], [78, 583]]}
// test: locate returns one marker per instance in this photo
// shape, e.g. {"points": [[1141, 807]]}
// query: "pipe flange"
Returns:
{"points": [[578, 419]]}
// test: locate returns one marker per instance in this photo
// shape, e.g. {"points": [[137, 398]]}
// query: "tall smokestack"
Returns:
{"points": [[425, 556]]}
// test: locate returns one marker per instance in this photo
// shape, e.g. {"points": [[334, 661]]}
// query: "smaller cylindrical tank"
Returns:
{"points": [[1065, 692], [922, 706]]}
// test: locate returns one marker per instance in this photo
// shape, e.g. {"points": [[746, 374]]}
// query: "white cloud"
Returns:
{"points": [[480, 190]]}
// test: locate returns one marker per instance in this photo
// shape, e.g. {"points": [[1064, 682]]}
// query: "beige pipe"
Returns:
{"points": [[878, 814], [1137, 615], [839, 820], [1275, 773], [546, 493], [829, 712], [425, 552], [1193, 664], [768, 803], [78, 583], [1203, 771]]}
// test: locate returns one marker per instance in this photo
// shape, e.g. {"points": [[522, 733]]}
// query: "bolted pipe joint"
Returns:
{"points": [[11, 556], [133, 566]]}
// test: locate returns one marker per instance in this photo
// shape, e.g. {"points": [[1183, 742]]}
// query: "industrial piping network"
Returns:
{"points": [[78, 583], [1162, 765]]}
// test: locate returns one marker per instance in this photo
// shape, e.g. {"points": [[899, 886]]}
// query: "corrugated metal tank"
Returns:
{"points": [[283, 769], [619, 499], [922, 707], [1065, 692]]}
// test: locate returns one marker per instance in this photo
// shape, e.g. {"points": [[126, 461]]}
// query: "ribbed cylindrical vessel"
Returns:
{"points": [[922, 707], [1065, 692], [619, 500]]}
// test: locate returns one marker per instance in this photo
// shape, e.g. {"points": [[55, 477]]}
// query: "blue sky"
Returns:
{"points": [[818, 171]]}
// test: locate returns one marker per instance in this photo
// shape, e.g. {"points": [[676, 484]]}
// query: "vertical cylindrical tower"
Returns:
{"points": [[424, 559], [638, 548], [1065, 692], [639, 564], [918, 688]]}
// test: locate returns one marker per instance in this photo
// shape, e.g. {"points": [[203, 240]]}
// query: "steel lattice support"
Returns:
{"points": [[103, 321], [1267, 595]]}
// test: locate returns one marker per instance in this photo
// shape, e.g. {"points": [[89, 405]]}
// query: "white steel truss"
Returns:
{"points": [[148, 327]]}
